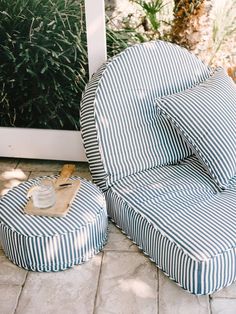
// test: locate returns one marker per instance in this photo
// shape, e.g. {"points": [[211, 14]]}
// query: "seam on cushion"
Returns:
{"points": [[193, 197], [200, 189], [104, 179], [101, 212]]}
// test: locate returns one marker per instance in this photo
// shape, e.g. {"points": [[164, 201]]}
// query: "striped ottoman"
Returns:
{"points": [[51, 244]]}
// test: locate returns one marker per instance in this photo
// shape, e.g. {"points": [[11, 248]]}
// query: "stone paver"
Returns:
{"points": [[174, 300], [7, 164], [49, 165], [117, 241], [67, 292], [11, 274], [228, 292], [83, 174], [112, 228], [128, 284], [35, 174], [223, 306], [8, 298], [82, 166], [11, 178], [40, 165]]}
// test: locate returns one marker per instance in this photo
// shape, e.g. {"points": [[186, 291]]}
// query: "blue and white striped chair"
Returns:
{"points": [[157, 191]]}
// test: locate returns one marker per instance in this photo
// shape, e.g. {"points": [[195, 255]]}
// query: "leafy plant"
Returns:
{"points": [[116, 41], [224, 25], [43, 64], [151, 10], [151, 25]]}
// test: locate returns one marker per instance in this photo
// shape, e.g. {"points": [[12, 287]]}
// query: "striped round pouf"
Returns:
{"points": [[42, 243]]}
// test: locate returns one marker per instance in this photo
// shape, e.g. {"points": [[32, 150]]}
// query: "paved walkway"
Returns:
{"points": [[119, 280]]}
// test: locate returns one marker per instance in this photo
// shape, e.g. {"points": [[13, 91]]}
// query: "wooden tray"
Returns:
{"points": [[64, 198]]}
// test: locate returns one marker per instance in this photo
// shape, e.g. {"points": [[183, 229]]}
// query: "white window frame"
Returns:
{"points": [[60, 144]]}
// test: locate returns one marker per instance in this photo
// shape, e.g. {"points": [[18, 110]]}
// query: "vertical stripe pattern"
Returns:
{"points": [[156, 190], [206, 117], [51, 244], [180, 219], [122, 130], [89, 131]]}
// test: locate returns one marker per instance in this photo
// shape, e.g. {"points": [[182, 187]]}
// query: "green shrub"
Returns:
{"points": [[43, 63], [116, 41], [153, 22]]}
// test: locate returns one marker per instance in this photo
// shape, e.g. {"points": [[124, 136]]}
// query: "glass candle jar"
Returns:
{"points": [[43, 195]]}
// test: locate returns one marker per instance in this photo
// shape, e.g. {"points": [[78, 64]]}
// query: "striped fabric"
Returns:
{"points": [[180, 219], [89, 131], [156, 190], [52, 244], [206, 116], [122, 130]]}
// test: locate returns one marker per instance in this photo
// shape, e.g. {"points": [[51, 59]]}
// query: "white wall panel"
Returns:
{"points": [[41, 144], [96, 33]]}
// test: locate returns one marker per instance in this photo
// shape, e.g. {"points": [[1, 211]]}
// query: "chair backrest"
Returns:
{"points": [[121, 128]]}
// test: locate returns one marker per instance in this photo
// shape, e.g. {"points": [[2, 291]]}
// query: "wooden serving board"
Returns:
{"points": [[64, 198]]}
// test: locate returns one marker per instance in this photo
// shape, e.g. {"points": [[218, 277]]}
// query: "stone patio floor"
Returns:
{"points": [[119, 280]]}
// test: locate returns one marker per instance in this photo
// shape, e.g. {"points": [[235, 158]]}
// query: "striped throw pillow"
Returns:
{"points": [[205, 115]]}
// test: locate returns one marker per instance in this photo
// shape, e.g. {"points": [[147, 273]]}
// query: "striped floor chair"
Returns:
{"points": [[159, 154]]}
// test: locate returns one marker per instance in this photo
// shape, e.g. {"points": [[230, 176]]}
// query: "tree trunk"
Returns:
{"points": [[192, 26]]}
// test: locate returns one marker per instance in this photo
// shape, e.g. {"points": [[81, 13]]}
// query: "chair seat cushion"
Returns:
{"points": [[179, 218]]}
